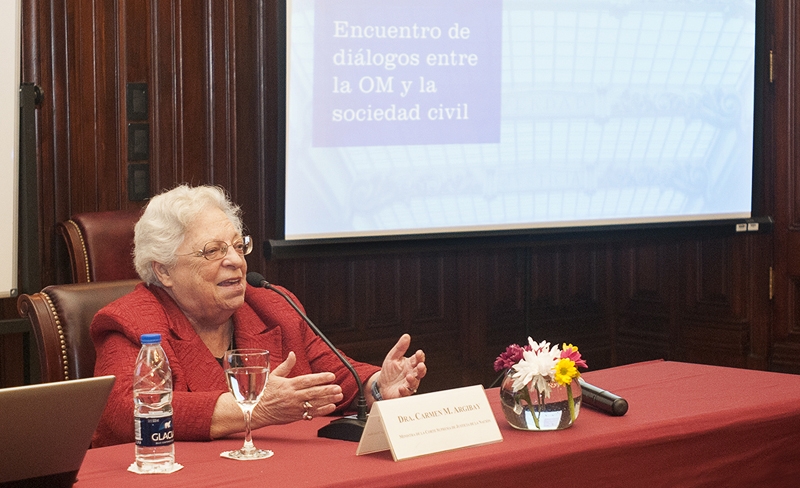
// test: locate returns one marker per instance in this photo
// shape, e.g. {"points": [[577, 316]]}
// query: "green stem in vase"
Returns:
{"points": [[526, 395], [539, 408], [571, 403]]}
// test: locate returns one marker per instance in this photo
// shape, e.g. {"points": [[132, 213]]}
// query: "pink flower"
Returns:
{"points": [[510, 357], [569, 351]]}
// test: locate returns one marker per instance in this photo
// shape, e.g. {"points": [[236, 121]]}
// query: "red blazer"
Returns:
{"points": [[265, 321]]}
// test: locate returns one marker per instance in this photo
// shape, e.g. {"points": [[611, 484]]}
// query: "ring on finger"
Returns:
{"points": [[412, 390], [306, 413]]}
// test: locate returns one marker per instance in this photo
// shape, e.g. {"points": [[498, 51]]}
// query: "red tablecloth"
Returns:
{"points": [[688, 425]]}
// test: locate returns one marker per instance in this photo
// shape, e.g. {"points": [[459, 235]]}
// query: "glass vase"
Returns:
{"points": [[528, 409]]}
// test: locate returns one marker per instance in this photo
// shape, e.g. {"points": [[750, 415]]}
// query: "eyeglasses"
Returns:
{"points": [[214, 250]]}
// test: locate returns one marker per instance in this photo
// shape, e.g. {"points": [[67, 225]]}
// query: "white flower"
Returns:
{"points": [[537, 366]]}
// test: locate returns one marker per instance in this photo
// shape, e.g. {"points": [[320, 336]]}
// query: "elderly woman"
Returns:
{"points": [[189, 250]]}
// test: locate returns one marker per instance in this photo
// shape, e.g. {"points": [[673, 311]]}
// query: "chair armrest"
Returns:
{"points": [[49, 335]]}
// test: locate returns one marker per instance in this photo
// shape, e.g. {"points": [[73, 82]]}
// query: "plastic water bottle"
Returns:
{"points": [[152, 399]]}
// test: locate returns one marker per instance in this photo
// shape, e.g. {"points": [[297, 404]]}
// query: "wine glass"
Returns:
{"points": [[246, 371]]}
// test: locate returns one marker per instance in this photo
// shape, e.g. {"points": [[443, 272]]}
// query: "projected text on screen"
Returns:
{"points": [[388, 76]]}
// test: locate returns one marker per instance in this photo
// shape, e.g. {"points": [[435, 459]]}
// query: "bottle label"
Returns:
{"points": [[153, 431]]}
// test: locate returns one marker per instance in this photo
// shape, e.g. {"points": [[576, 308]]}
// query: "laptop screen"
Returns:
{"points": [[46, 429]]}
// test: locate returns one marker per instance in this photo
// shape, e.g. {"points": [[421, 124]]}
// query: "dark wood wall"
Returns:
{"points": [[783, 147], [700, 296]]}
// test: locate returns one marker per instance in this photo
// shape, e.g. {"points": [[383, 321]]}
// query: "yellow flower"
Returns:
{"points": [[565, 371]]}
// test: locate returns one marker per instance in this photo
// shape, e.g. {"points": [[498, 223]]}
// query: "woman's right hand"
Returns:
{"points": [[284, 398]]}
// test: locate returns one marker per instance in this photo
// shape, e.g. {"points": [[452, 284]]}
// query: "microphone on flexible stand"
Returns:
{"points": [[347, 428], [602, 400]]}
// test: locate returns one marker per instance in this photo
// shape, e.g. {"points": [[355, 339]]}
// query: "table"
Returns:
{"points": [[688, 425]]}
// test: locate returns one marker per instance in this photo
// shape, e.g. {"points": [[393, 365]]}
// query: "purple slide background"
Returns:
{"points": [[475, 90]]}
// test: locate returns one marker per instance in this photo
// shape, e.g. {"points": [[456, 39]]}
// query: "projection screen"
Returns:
{"points": [[415, 117]]}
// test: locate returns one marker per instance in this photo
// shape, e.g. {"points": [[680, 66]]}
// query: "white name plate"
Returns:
{"points": [[433, 422]]}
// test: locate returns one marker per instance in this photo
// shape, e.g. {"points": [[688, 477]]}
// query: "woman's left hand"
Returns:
{"points": [[399, 375]]}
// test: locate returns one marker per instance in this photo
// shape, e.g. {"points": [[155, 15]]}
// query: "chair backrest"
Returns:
{"points": [[100, 245], [60, 316]]}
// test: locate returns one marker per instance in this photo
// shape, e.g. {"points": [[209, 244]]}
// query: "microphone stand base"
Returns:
{"points": [[347, 428]]}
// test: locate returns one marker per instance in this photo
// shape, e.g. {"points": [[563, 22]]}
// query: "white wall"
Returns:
{"points": [[9, 143]]}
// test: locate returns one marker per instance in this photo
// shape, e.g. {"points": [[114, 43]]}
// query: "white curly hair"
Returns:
{"points": [[163, 225]]}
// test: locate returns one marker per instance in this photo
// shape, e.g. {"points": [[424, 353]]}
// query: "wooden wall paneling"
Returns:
{"points": [[760, 249], [205, 83], [50, 72], [136, 21], [382, 292], [552, 293], [475, 348], [411, 293], [713, 323], [284, 272], [759, 253], [645, 277], [611, 306], [248, 158], [329, 289], [93, 112], [195, 129], [268, 102], [546, 285], [12, 366], [222, 94], [785, 113], [109, 175], [18, 354], [590, 327], [193, 95], [429, 310], [165, 93], [567, 296], [432, 287], [501, 306]]}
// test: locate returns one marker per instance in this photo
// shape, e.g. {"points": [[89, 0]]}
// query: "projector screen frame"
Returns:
{"points": [[311, 248], [280, 248]]}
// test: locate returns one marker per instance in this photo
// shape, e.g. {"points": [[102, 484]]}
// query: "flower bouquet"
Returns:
{"points": [[538, 391]]}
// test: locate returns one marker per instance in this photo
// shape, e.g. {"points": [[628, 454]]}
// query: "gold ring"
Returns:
{"points": [[307, 416], [307, 405]]}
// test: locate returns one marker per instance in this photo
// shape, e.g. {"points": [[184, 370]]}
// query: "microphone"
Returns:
{"points": [[602, 400], [347, 428]]}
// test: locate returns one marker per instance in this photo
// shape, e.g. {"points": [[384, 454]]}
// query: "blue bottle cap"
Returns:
{"points": [[151, 338]]}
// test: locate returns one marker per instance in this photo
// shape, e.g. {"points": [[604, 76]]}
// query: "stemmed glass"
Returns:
{"points": [[246, 371]]}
